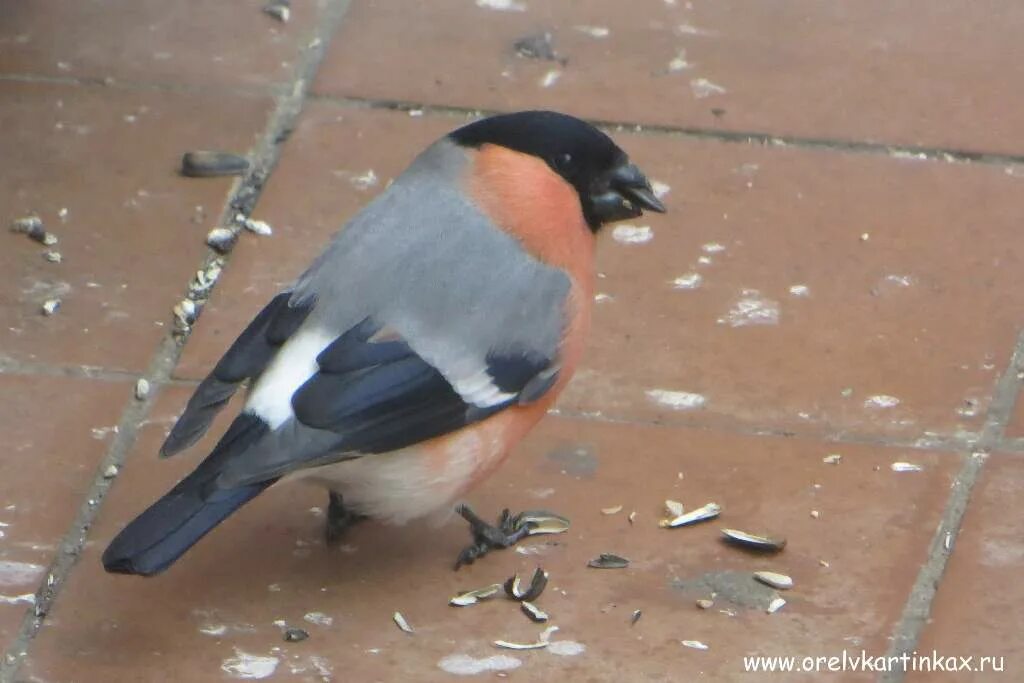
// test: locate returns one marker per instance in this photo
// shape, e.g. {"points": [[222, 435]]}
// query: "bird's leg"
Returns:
{"points": [[487, 537], [339, 519]]}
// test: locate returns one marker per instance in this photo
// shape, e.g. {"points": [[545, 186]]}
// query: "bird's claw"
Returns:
{"points": [[339, 519], [487, 537]]}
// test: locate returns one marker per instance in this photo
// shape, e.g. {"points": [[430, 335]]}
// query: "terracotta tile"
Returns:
{"points": [[221, 601], [783, 218], [134, 230], [866, 71], [199, 42], [54, 430], [970, 614]]}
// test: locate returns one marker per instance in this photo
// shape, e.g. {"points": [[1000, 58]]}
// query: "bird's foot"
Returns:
{"points": [[486, 537], [339, 519]]}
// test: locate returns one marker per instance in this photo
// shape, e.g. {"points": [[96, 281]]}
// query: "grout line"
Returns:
{"points": [[917, 609], [919, 152], [242, 198]]}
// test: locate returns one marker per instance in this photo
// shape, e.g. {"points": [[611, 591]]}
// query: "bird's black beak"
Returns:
{"points": [[626, 195]]}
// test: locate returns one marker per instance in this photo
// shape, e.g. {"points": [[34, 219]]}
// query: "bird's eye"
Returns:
{"points": [[563, 162]]}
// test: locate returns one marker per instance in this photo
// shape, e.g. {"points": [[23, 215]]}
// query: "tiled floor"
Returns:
{"points": [[850, 288]]}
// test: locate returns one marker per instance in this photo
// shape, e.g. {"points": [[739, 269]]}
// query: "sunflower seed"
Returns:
{"points": [[608, 561], [401, 622], [538, 582], [541, 522], [295, 635], [695, 644], [474, 596], [775, 580], [221, 239], [905, 467], [142, 388], [53, 256], [612, 510], [754, 541], [704, 603], [279, 10], [635, 617], [675, 508], [50, 306], [775, 605], [205, 164], [709, 511], [29, 225], [535, 614]]}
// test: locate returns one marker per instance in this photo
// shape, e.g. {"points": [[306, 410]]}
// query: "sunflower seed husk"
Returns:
{"points": [[536, 614], [520, 646], [206, 164], [29, 225], [142, 388], [608, 561], [905, 467], [50, 306], [258, 227], [537, 46], [675, 508], [53, 256], [695, 644], [754, 541], [815, 514], [704, 603], [185, 311], [635, 617], [541, 522], [110, 472], [612, 510], [474, 596], [280, 10], [401, 622], [632, 517], [775, 605], [832, 459], [295, 635], [775, 580], [221, 239], [538, 582], [709, 511]]}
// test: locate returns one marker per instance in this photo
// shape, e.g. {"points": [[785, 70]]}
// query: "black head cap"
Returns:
{"points": [[610, 188]]}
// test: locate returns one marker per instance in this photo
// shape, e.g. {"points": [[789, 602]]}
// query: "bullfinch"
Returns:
{"points": [[433, 332]]}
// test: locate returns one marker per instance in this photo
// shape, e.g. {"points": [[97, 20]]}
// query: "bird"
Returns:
{"points": [[435, 329]]}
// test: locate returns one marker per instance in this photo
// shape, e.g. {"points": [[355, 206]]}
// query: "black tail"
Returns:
{"points": [[160, 535]]}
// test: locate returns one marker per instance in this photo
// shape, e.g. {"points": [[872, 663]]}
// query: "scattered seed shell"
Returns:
{"points": [[185, 311], [50, 306], [541, 522], [635, 617], [754, 541], [775, 605], [258, 227], [29, 225], [521, 646], [675, 508], [832, 459], [695, 644], [221, 239], [401, 622], [538, 582], [612, 510], [279, 10], [704, 603], [206, 164], [536, 614], [474, 596], [632, 517], [905, 467], [53, 256], [49, 239], [709, 511], [142, 388], [110, 472], [775, 580], [295, 635], [608, 561]]}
